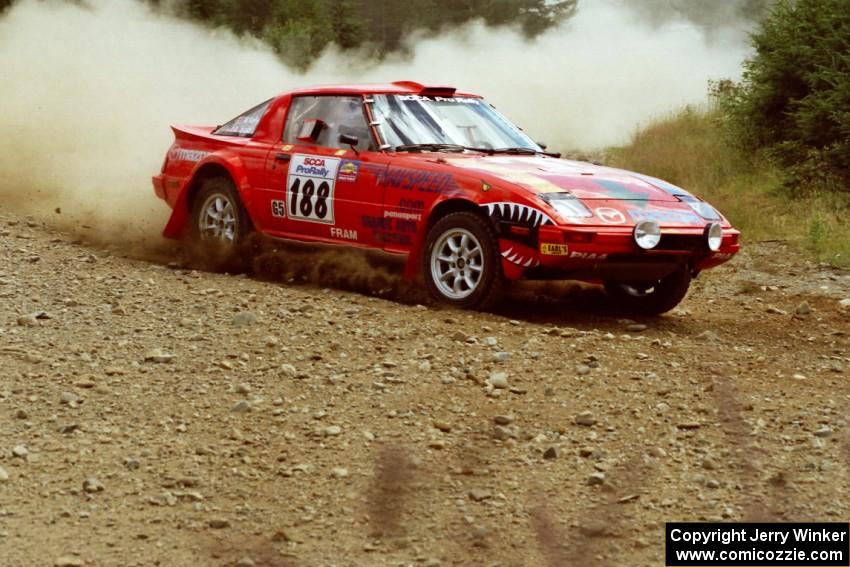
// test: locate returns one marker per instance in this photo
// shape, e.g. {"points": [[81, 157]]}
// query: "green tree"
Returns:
{"points": [[300, 29], [794, 99], [346, 23]]}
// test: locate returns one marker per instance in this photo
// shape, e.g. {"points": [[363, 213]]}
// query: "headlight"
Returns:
{"points": [[567, 205], [714, 236], [647, 234], [701, 208]]}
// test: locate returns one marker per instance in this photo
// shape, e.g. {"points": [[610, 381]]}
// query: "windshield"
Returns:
{"points": [[405, 120]]}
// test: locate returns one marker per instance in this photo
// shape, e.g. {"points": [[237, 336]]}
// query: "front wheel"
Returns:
{"points": [[220, 226], [461, 261], [651, 298]]}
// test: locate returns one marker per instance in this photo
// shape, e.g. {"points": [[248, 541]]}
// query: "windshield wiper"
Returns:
{"points": [[522, 151], [430, 148], [458, 148]]}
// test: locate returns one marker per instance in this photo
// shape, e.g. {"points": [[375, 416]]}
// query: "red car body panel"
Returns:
{"points": [[385, 200]]}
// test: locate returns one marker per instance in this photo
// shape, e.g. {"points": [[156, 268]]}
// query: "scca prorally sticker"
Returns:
{"points": [[278, 208], [310, 188], [453, 99]]}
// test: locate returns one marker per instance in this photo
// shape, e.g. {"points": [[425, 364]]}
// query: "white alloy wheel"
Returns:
{"points": [[457, 263]]}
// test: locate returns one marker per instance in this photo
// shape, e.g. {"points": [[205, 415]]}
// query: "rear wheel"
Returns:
{"points": [[461, 262], [220, 225], [650, 298]]}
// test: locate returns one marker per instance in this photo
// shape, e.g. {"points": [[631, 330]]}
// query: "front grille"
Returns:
{"points": [[687, 242]]}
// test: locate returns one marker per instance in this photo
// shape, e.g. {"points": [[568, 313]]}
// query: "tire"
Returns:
{"points": [[650, 298], [220, 227], [463, 247]]}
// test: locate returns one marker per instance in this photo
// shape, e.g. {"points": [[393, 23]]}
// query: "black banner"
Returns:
{"points": [[692, 544]]}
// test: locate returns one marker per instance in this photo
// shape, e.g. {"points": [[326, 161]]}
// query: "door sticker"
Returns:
{"points": [[349, 170], [310, 188]]}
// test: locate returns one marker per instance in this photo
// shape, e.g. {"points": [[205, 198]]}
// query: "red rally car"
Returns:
{"points": [[442, 178]]}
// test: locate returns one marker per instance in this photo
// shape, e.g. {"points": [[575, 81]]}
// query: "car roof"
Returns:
{"points": [[397, 87]]}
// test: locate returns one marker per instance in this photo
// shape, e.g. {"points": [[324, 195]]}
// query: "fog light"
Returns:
{"points": [[647, 234], [713, 236]]}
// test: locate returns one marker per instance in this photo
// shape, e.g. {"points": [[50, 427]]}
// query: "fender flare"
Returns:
{"points": [[223, 162], [519, 212], [439, 208]]}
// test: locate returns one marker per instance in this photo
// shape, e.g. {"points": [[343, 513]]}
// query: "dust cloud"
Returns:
{"points": [[88, 93], [89, 89]]}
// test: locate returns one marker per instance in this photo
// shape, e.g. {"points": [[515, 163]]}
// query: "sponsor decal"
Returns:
{"points": [[411, 205], [180, 154], [416, 180], [311, 166], [457, 99], [665, 216], [403, 215], [395, 227], [349, 170], [343, 233], [610, 216], [278, 208], [245, 125], [376, 223], [616, 190], [550, 249], [393, 238], [587, 256], [511, 170], [389, 224], [409, 210], [310, 188], [660, 183]]}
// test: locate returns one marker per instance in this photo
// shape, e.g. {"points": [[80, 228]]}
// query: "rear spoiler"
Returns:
{"points": [[192, 132], [427, 90]]}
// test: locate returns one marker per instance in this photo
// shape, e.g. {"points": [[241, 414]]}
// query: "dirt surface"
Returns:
{"points": [[154, 415]]}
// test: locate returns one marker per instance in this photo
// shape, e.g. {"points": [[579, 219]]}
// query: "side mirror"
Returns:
{"points": [[349, 140]]}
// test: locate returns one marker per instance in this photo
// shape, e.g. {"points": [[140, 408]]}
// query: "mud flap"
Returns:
{"points": [[179, 215]]}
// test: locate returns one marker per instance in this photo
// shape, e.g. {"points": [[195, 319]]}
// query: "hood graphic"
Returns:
{"points": [[583, 180]]}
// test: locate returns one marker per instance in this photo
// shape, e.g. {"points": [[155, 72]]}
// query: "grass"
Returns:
{"points": [[691, 149]]}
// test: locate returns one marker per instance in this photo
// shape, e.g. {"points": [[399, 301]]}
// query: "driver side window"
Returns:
{"points": [[320, 120]]}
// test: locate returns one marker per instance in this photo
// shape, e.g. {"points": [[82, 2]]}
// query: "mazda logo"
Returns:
{"points": [[610, 216]]}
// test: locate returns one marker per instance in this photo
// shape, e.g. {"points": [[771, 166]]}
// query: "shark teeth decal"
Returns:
{"points": [[516, 258], [520, 214]]}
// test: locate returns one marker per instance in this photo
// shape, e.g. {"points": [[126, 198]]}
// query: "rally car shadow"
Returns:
{"points": [[377, 274], [560, 302]]}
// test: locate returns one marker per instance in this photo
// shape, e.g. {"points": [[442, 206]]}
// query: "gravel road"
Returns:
{"points": [[155, 415]]}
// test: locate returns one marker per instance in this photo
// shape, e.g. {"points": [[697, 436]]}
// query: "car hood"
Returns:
{"points": [[586, 181]]}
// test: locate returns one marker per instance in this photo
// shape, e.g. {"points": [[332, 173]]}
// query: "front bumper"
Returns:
{"points": [[610, 253]]}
